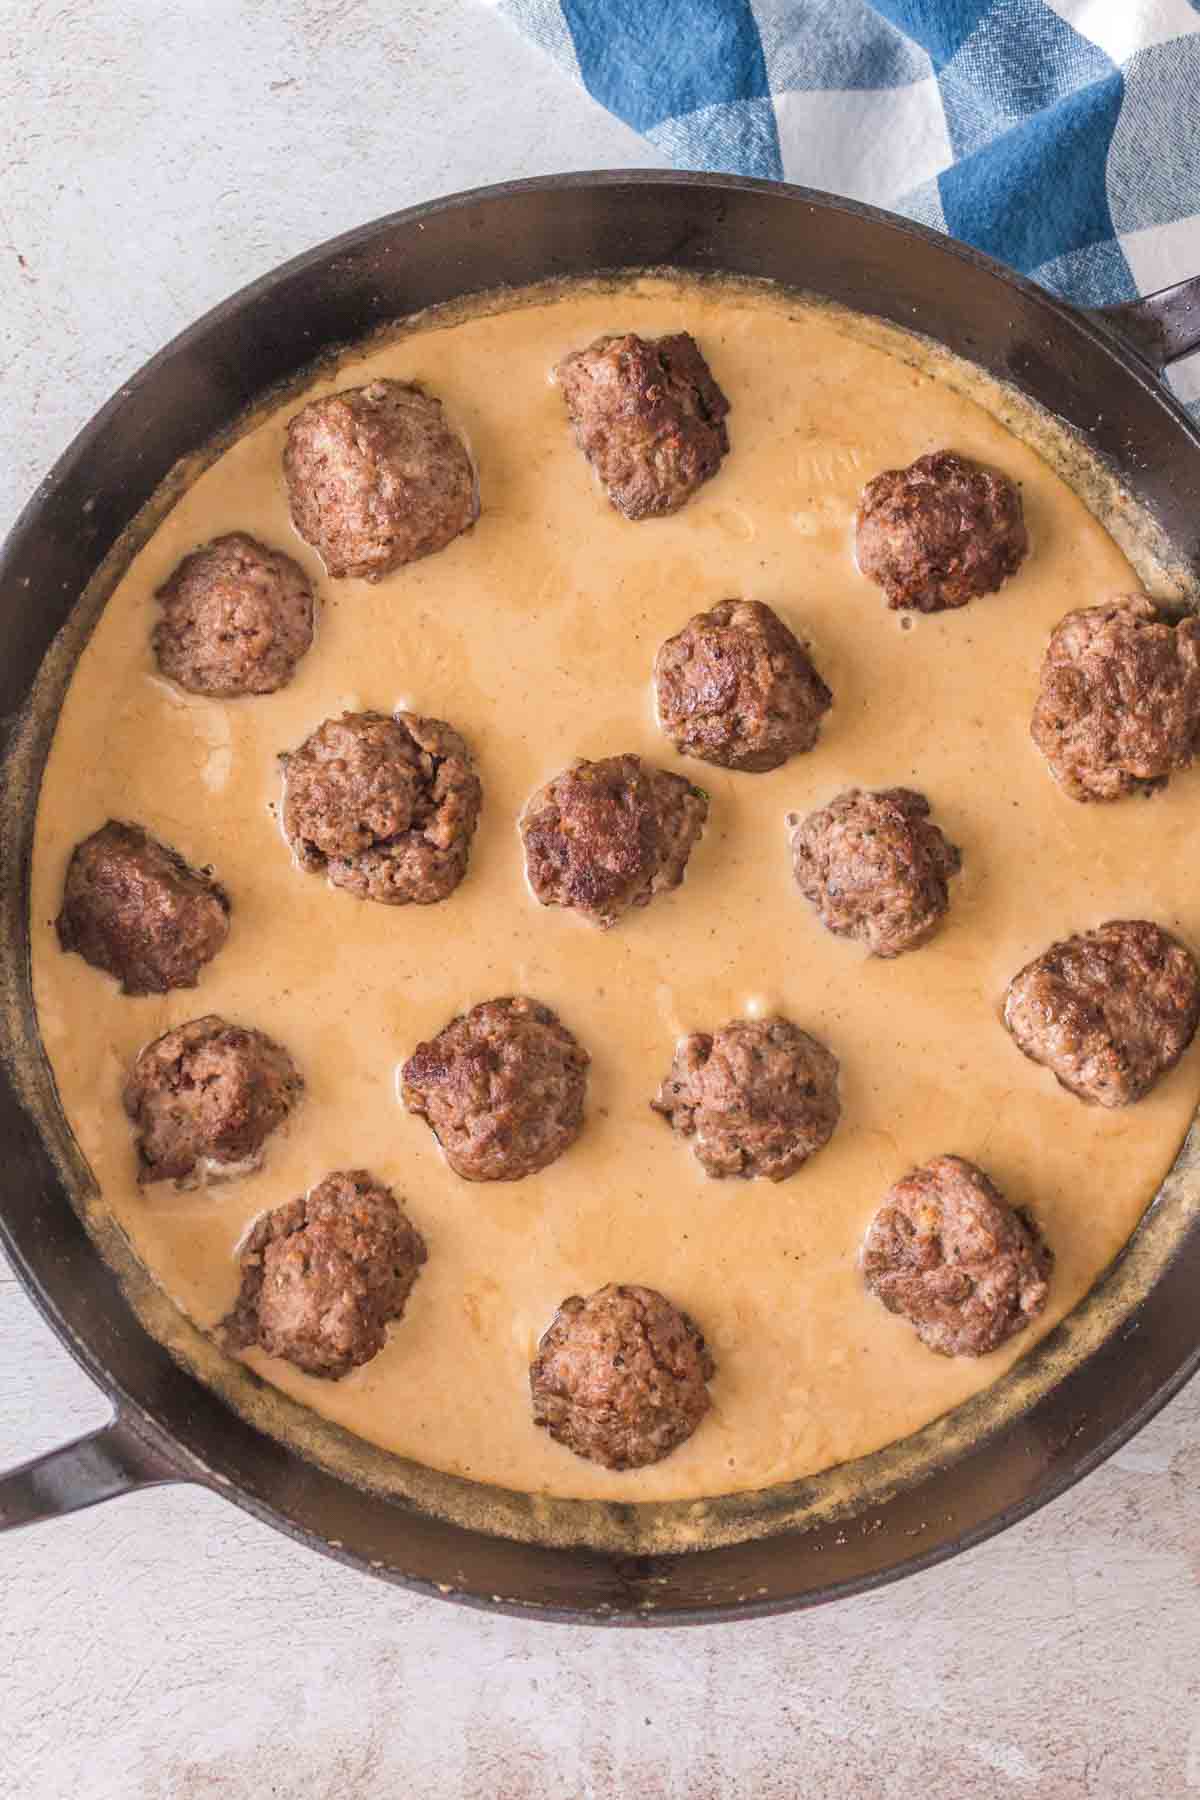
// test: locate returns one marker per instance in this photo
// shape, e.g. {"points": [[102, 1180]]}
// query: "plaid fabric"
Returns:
{"points": [[1062, 138]]}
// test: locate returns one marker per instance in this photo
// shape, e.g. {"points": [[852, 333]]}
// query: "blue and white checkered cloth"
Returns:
{"points": [[1061, 136]]}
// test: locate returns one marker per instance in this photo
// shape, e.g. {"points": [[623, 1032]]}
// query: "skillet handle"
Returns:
{"points": [[101, 1466], [1161, 327]]}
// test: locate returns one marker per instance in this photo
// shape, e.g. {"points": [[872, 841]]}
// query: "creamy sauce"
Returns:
{"points": [[535, 634]]}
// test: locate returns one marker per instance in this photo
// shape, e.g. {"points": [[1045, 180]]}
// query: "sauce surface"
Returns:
{"points": [[535, 635]]}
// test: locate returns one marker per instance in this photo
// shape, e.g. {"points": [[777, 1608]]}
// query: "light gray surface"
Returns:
{"points": [[153, 157]]}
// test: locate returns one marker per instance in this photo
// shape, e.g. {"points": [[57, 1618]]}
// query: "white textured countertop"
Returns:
{"points": [[155, 155]]}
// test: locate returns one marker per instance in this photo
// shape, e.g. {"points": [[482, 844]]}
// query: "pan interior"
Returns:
{"points": [[670, 1526]]}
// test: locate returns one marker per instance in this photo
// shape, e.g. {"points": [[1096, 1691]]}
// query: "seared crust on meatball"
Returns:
{"points": [[876, 868], [938, 533], [210, 1093], [605, 836], [386, 807], [758, 1097], [1118, 709], [620, 1377], [948, 1252], [501, 1088], [323, 1276], [376, 478], [132, 907], [1109, 1011], [236, 619], [737, 688], [649, 418]]}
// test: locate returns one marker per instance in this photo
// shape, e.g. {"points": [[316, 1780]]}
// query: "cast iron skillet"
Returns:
{"points": [[1096, 373]]}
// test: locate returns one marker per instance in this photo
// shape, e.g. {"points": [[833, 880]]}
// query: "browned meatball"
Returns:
{"points": [[501, 1087], [735, 687], [236, 619], [132, 907], [385, 807], [1119, 704], [876, 868], [758, 1097], [1109, 1012], [649, 418], [940, 532], [605, 836], [948, 1252], [376, 478], [620, 1377], [323, 1276], [208, 1093]]}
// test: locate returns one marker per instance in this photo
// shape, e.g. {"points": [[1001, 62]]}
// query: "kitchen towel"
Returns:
{"points": [[1062, 138]]}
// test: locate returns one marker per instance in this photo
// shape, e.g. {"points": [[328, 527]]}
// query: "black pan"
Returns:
{"points": [[1070, 1403]]}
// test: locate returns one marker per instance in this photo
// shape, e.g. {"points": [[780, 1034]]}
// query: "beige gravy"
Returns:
{"points": [[535, 634]]}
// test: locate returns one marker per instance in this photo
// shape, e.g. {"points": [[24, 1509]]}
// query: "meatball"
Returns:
{"points": [[323, 1276], [649, 418], [938, 533], [620, 1377], [501, 1088], [735, 687], [948, 1252], [758, 1097], [384, 806], [132, 907], [605, 836], [208, 1093], [1118, 708], [376, 478], [875, 867], [236, 619], [1109, 1011]]}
